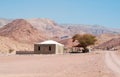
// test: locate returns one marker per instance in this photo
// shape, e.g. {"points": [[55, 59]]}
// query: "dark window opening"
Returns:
{"points": [[49, 48], [39, 48]]}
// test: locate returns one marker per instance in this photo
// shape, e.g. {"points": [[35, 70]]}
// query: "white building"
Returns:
{"points": [[49, 47]]}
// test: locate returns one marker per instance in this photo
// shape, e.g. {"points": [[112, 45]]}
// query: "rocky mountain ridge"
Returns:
{"points": [[49, 26], [92, 29], [23, 33]]}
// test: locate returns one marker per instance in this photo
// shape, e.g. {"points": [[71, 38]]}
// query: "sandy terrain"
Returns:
{"points": [[68, 65], [113, 62]]}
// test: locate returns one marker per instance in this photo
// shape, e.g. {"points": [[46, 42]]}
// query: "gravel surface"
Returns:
{"points": [[67, 65]]}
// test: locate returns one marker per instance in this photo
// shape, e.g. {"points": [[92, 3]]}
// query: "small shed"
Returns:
{"points": [[48, 47]]}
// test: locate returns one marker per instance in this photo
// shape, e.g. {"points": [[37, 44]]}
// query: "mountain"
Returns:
{"points": [[67, 42], [91, 29], [22, 31], [21, 34], [7, 44], [106, 37], [113, 43], [103, 34], [48, 27], [4, 21]]}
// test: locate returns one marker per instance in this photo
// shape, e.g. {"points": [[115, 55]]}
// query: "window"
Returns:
{"points": [[39, 48], [49, 48]]}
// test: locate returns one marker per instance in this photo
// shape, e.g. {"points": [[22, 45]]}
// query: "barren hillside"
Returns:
{"points": [[106, 37], [48, 27], [113, 43], [4, 21], [21, 34], [22, 31], [91, 29], [7, 44]]}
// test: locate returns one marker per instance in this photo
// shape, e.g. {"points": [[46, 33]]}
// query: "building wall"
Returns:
{"points": [[44, 48], [59, 49]]}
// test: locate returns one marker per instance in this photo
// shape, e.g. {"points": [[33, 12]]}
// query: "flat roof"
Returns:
{"points": [[50, 42]]}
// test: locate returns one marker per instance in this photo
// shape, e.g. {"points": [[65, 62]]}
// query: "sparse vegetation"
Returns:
{"points": [[84, 41], [11, 50]]}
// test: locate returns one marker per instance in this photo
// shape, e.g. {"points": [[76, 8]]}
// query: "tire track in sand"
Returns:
{"points": [[113, 62]]}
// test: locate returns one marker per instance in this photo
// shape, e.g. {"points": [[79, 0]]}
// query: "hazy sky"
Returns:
{"points": [[102, 12]]}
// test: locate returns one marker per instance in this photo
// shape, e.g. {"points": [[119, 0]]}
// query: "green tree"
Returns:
{"points": [[84, 41]]}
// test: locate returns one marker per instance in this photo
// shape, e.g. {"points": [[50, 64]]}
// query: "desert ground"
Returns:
{"points": [[93, 64]]}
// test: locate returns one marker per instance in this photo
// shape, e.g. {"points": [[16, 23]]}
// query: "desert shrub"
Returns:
{"points": [[11, 50]]}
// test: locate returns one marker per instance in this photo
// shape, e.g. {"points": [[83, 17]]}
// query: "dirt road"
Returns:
{"points": [[113, 62], [67, 65]]}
